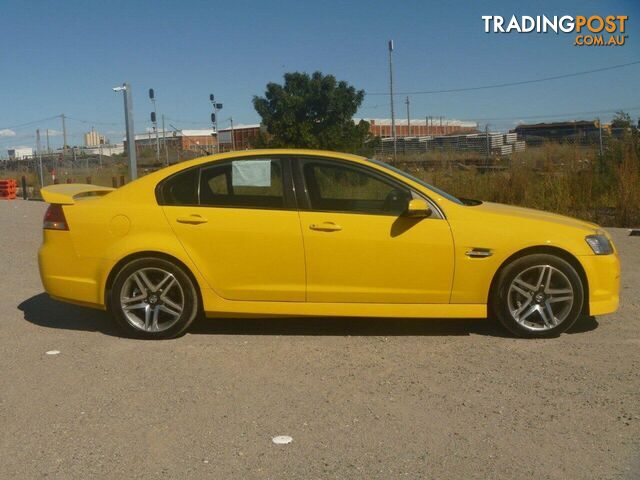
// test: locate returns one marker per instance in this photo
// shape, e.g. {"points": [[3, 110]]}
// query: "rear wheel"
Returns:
{"points": [[153, 298], [538, 295]]}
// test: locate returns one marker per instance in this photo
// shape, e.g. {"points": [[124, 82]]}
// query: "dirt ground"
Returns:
{"points": [[362, 398]]}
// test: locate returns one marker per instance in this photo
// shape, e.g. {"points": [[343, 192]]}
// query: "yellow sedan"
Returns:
{"points": [[313, 233]]}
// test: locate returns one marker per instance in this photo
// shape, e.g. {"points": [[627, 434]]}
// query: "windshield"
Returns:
{"points": [[446, 195]]}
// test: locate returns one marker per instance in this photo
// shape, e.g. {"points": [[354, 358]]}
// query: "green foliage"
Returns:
{"points": [[621, 120], [312, 111], [567, 179]]}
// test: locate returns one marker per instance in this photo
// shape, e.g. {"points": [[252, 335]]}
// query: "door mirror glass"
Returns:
{"points": [[417, 208]]}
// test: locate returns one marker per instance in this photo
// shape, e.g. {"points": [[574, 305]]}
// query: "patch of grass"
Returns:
{"points": [[567, 179]]}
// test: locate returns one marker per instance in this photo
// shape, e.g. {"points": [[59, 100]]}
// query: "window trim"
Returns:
{"points": [[305, 205], [288, 192]]}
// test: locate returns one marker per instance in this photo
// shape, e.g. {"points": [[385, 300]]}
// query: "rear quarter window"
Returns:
{"points": [[180, 189]]}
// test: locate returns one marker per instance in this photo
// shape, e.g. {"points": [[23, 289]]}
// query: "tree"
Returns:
{"points": [[621, 120], [312, 111]]}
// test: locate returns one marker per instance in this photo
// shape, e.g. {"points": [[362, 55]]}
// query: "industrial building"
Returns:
{"points": [[202, 141], [94, 139], [580, 131], [240, 137], [381, 127], [20, 153]]}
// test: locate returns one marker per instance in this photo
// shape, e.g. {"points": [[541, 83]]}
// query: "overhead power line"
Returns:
{"points": [[551, 115], [93, 122], [511, 84], [555, 115], [34, 122]]}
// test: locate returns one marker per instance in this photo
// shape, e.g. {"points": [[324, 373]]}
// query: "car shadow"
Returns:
{"points": [[43, 311]]}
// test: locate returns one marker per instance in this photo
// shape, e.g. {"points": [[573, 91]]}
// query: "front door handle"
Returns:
{"points": [[325, 227], [192, 220]]}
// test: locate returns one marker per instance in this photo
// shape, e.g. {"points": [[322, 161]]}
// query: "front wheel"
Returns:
{"points": [[153, 298], [538, 295]]}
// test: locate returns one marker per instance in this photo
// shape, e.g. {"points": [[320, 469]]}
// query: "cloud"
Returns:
{"points": [[7, 133]]}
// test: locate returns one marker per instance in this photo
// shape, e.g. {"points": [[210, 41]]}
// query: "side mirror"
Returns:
{"points": [[417, 208]]}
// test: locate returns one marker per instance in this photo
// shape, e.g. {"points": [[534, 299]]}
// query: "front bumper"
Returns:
{"points": [[603, 276]]}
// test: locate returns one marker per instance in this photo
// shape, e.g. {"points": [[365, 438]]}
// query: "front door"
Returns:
{"points": [[359, 247], [238, 223]]}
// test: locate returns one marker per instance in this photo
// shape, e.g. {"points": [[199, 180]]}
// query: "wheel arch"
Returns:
{"points": [[113, 273], [549, 250]]}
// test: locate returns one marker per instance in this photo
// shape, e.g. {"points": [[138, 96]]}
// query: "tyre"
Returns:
{"points": [[538, 296], [153, 298]]}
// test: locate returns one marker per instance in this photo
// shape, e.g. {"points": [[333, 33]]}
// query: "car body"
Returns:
{"points": [[307, 233]]}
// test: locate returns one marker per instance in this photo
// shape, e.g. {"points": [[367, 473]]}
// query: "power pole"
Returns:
{"points": [[48, 149], [408, 118], [39, 153], [486, 132], [233, 137], [600, 136], [393, 118], [64, 136]]}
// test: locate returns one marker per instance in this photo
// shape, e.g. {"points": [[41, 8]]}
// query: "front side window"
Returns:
{"points": [[243, 183], [340, 188]]}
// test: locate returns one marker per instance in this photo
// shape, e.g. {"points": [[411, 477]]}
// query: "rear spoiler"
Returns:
{"points": [[66, 194]]}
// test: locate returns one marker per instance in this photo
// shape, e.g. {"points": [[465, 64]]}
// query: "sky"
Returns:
{"points": [[65, 57]]}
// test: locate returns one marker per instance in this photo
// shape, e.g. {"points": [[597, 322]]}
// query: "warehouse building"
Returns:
{"points": [[20, 153], [201, 141], [581, 131], [381, 127], [240, 137]]}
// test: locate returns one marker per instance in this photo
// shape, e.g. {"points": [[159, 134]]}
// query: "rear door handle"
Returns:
{"points": [[325, 227], [192, 219]]}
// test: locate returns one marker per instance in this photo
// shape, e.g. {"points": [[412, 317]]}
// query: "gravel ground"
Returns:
{"points": [[362, 398]]}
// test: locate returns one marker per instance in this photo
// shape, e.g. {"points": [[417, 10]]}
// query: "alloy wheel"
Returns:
{"points": [[540, 298], [152, 299]]}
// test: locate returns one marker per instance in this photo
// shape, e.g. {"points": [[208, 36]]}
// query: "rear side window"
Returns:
{"points": [[243, 183], [181, 189]]}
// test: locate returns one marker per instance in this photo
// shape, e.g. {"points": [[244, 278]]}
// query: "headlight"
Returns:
{"points": [[599, 244]]}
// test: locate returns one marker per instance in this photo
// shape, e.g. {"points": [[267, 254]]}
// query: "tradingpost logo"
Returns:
{"points": [[595, 30]]}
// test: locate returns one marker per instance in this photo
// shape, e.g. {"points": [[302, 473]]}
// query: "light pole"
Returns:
{"points": [[131, 136], [154, 121]]}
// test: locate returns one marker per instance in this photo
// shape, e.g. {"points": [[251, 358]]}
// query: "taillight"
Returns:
{"points": [[54, 218]]}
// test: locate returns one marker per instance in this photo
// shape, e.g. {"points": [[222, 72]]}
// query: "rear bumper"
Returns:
{"points": [[66, 277], [603, 275]]}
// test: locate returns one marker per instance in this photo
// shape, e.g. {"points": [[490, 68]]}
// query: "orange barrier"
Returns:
{"points": [[8, 189]]}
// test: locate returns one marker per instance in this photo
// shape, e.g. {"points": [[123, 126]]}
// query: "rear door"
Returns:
{"points": [[238, 222]]}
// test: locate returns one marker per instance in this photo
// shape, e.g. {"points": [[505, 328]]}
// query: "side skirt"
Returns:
{"points": [[217, 307]]}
